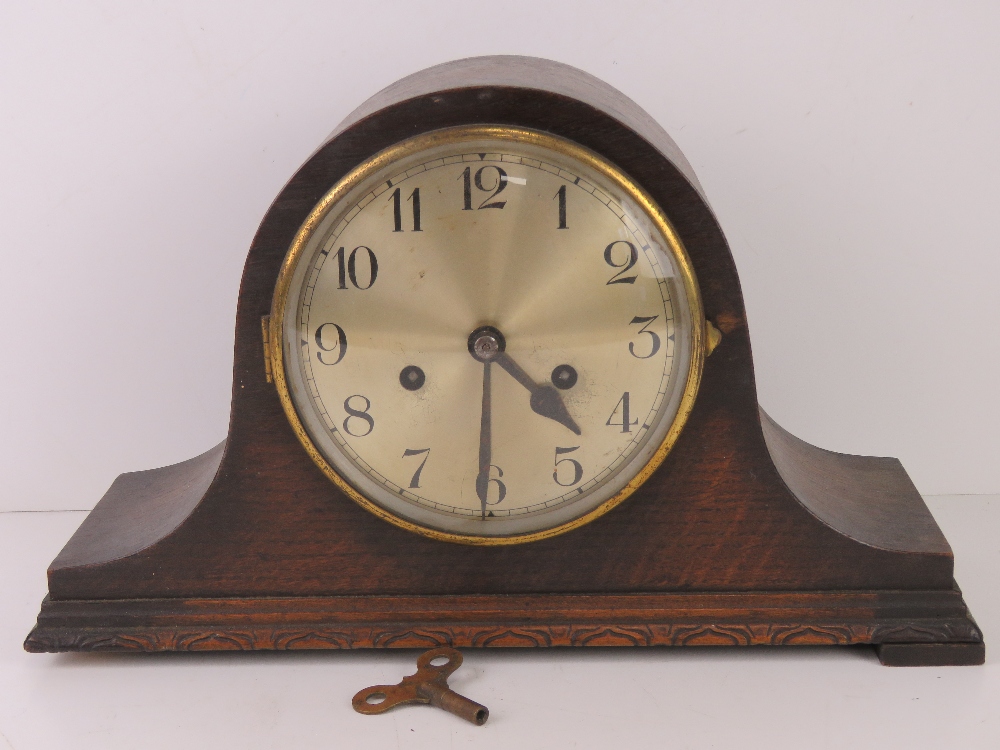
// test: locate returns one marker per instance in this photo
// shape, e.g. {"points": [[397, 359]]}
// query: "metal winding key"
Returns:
{"points": [[428, 685]]}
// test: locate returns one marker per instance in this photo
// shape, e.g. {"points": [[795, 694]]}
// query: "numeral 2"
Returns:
{"points": [[626, 265]]}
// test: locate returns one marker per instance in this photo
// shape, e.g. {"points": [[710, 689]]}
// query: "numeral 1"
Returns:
{"points": [[561, 195], [397, 209], [467, 188]]}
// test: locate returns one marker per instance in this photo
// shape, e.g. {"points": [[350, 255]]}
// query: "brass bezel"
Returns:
{"points": [[516, 135]]}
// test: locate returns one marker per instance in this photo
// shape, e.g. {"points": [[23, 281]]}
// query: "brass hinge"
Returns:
{"points": [[265, 329]]}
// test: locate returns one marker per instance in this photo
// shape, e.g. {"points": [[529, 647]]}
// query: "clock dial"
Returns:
{"points": [[487, 335]]}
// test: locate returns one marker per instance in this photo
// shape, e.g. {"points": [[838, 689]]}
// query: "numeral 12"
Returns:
{"points": [[468, 179]]}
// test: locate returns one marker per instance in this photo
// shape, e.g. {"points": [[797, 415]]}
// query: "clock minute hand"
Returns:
{"points": [[545, 399], [485, 440]]}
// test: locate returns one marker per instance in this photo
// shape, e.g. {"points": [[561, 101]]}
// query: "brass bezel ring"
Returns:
{"points": [[515, 135]]}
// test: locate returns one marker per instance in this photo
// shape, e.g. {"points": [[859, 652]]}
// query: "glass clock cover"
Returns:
{"points": [[487, 335]]}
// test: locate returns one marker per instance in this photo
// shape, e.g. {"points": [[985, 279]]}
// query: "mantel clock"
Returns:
{"points": [[493, 387]]}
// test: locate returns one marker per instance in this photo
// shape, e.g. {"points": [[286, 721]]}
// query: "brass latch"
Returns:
{"points": [[712, 337]]}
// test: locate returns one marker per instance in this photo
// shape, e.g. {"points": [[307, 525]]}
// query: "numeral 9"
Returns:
{"points": [[341, 346]]}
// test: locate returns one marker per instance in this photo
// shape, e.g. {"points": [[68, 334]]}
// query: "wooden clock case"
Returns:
{"points": [[745, 535]]}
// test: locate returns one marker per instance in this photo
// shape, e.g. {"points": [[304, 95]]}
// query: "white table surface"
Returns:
{"points": [[802, 698]]}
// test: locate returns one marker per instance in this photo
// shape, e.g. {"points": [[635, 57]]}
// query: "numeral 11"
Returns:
{"points": [[397, 209]]}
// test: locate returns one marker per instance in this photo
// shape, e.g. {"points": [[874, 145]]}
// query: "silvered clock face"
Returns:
{"points": [[487, 335]]}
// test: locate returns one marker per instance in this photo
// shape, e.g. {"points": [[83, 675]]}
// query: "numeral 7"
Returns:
{"points": [[415, 481]]}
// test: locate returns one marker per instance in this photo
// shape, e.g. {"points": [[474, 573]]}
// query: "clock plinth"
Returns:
{"points": [[744, 535]]}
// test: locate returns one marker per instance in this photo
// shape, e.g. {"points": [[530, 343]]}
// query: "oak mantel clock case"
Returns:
{"points": [[493, 387]]}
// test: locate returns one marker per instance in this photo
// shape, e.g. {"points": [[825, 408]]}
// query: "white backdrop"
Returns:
{"points": [[849, 149]]}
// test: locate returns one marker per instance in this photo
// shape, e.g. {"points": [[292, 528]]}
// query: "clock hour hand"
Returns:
{"points": [[545, 399]]}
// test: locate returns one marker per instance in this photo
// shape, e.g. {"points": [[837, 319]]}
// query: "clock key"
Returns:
{"points": [[428, 685]]}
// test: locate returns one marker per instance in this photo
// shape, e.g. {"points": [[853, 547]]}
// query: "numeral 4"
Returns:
{"points": [[622, 407]]}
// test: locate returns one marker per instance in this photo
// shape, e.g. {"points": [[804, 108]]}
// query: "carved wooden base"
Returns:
{"points": [[936, 620]]}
